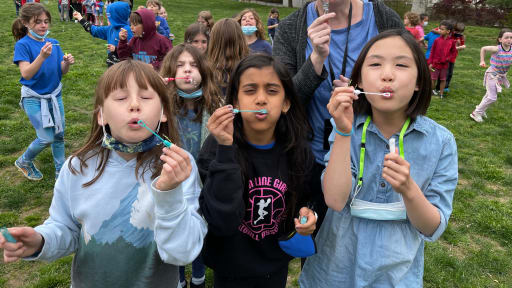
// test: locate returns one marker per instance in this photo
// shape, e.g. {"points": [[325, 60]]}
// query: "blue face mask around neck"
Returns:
{"points": [[37, 36], [196, 94], [249, 30], [111, 143]]}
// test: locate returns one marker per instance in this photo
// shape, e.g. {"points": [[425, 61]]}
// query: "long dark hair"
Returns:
{"points": [[116, 77], [420, 100], [291, 132]]}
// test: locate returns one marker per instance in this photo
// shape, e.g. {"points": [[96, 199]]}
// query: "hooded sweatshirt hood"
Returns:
{"points": [[118, 13], [148, 22]]}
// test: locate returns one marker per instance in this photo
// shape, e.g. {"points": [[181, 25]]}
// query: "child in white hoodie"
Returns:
{"points": [[125, 204]]}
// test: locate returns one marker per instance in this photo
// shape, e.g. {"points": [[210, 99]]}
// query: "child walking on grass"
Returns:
{"points": [[496, 75], [440, 55], [42, 64], [124, 204]]}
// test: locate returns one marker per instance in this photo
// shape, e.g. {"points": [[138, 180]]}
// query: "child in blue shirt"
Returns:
{"points": [[384, 200], [118, 14], [430, 38], [161, 24], [42, 65]]}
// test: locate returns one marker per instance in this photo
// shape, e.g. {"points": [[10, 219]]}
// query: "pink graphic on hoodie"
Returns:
{"points": [[266, 207]]}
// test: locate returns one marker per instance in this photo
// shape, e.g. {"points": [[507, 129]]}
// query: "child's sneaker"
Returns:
{"points": [[434, 92], [446, 90], [28, 169], [477, 117]]}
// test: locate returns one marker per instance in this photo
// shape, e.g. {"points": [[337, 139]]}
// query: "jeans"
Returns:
{"points": [[198, 269], [45, 136], [64, 12]]}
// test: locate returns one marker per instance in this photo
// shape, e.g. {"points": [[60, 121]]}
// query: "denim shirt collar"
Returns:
{"points": [[420, 124]]}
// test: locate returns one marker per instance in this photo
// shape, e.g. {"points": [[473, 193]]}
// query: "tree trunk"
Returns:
{"points": [[290, 3], [419, 6]]}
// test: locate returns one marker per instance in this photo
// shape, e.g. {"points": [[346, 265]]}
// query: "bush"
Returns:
{"points": [[470, 12]]}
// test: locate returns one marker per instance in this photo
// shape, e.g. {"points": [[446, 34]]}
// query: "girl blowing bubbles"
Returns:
{"points": [[122, 203], [496, 74], [194, 97], [383, 204], [193, 94], [256, 168], [42, 65]]}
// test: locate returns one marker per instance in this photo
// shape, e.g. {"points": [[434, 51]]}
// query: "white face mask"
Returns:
{"points": [[425, 23]]}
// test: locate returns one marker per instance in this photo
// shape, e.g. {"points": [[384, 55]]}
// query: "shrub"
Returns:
{"points": [[470, 12]]}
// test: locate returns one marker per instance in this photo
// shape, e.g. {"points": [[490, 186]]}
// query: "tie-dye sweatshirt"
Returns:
{"points": [[123, 231]]}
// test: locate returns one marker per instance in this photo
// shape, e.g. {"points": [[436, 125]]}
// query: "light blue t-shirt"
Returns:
{"points": [[360, 33], [190, 133], [357, 252], [430, 38], [48, 77]]}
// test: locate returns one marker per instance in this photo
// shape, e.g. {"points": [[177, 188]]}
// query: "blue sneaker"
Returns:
{"points": [[446, 90], [29, 170]]}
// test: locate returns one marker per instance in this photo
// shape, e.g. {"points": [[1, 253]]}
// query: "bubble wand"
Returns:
{"points": [[385, 94], [262, 111], [166, 143]]}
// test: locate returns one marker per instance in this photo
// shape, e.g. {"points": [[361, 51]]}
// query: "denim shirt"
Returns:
{"points": [[357, 252]]}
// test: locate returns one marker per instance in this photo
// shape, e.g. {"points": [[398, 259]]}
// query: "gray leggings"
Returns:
{"points": [[64, 12]]}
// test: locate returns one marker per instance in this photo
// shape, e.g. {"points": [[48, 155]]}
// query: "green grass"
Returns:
{"points": [[475, 250]]}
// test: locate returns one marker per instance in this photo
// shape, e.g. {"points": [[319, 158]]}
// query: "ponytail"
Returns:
{"points": [[18, 29], [28, 12]]}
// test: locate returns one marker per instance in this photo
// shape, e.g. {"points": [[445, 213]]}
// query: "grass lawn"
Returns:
{"points": [[475, 250]]}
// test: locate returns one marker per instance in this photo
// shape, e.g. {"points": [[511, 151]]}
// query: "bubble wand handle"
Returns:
{"points": [[166, 143], [7, 235]]}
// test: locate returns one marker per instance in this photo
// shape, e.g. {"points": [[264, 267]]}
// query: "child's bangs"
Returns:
{"points": [[117, 77]]}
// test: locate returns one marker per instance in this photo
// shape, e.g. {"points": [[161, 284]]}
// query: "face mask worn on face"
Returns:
{"points": [[377, 211], [249, 30], [425, 23], [37, 35], [195, 94], [111, 143]]}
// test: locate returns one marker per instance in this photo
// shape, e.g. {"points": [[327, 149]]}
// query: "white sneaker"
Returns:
{"points": [[477, 117], [434, 92]]}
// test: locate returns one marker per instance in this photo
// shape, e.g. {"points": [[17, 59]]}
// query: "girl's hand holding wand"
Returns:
{"points": [[309, 227], [46, 50], [123, 34], [340, 108], [28, 242], [220, 125], [175, 170], [68, 59], [396, 171]]}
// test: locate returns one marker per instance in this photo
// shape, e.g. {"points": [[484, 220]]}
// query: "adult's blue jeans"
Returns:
{"points": [[45, 136]]}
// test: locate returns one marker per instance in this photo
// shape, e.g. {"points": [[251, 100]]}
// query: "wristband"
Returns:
{"points": [[343, 134]]}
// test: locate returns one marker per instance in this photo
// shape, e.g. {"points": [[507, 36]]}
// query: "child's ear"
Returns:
{"points": [[163, 118], [101, 119], [286, 106]]}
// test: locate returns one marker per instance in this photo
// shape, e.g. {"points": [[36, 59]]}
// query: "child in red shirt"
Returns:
{"points": [[440, 55], [411, 20], [459, 39]]}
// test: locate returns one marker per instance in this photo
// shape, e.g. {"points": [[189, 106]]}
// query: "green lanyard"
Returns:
{"points": [[363, 146]]}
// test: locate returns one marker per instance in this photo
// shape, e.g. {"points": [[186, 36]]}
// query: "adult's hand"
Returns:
{"points": [[319, 33]]}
